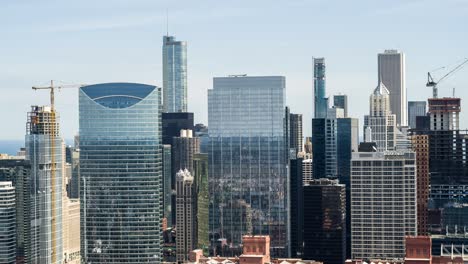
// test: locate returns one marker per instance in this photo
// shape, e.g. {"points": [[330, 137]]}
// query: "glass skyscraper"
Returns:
{"points": [[7, 223], [19, 172], [174, 75], [121, 173], [341, 101], [415, 108], [45, 151], [248, 158], [324, 221], [320, 99]]}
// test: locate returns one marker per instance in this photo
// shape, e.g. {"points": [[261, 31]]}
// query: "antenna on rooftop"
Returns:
{"points": [[167, 22]]}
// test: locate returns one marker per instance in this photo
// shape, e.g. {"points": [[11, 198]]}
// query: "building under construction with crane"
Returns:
{"points": [[44, 149], [446, 147]]}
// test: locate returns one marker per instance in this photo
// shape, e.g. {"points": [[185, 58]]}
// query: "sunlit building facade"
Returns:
{"points": [[248, 160], [121, 173], [45, 152], [174, 75]]}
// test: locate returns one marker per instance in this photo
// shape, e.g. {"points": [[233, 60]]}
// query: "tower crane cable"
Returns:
{"points": [[432, 83]]}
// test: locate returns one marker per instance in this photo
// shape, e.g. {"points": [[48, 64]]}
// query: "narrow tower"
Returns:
{"points": [[174, 75], [44, 149]]}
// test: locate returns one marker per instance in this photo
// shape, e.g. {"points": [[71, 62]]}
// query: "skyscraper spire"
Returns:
{"points": [[167, 22]]}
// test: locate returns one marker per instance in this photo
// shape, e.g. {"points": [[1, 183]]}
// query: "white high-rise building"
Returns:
{"points": [[307, 171], [7, 223], [380, 122], [184, 215], [383, 203], [391, 70]]}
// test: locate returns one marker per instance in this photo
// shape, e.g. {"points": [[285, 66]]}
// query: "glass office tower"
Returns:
{"points": [[415, 108], [324, 221], [121, 173], [7, 223], [341, 101], [174, 75], [248, 160], [320, 99]]}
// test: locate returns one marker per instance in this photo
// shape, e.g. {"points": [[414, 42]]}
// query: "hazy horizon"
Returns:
{"points": [[89, 42]]}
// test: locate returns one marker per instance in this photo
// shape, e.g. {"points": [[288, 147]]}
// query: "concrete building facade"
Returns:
{"points": [[383, 204], [184, 215]]}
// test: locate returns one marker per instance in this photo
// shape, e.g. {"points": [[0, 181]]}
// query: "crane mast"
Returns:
{"points": [[53, 166]]}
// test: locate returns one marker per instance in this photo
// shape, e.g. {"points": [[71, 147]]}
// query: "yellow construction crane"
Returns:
{"points": [[52, 137], [52, 90], [433, 84]]}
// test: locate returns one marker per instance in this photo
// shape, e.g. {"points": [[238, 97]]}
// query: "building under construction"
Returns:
{"points": [[44, 150], [448, 151]]}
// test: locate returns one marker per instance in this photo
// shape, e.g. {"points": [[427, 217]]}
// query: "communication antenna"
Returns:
{"points": [[167, 22]]}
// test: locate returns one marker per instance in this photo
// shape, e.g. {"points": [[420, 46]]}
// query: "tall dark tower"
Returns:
{"points": [[325, 221]]}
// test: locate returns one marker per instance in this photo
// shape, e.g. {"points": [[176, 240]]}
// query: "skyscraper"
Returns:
{"points": [[296, 139], [248, 160], [172, 123], [73, 188], [320, 99], [420, 145], [7, 223], [448, 169], [121, 174], [415, 108], [167, 185], [174, 75], [391, 70], [380, 124], [383, 203], [296, 206], [307, 170], [341, 101], [19, 172], [202, 200], [45, 151], [325, 221], [333, 141], [444, 113], [183, 149], [185, 215]]}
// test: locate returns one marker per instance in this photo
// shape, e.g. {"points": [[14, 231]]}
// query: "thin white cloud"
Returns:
{"points": [[96, 25]]}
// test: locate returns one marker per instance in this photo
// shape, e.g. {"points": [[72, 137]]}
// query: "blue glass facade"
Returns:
{"points": [[174, 75], [248, 161], [333, 142], [320, 99], [121, 173]]}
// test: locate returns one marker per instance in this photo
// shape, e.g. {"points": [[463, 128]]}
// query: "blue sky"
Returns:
{"points": [[87, 42]]}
